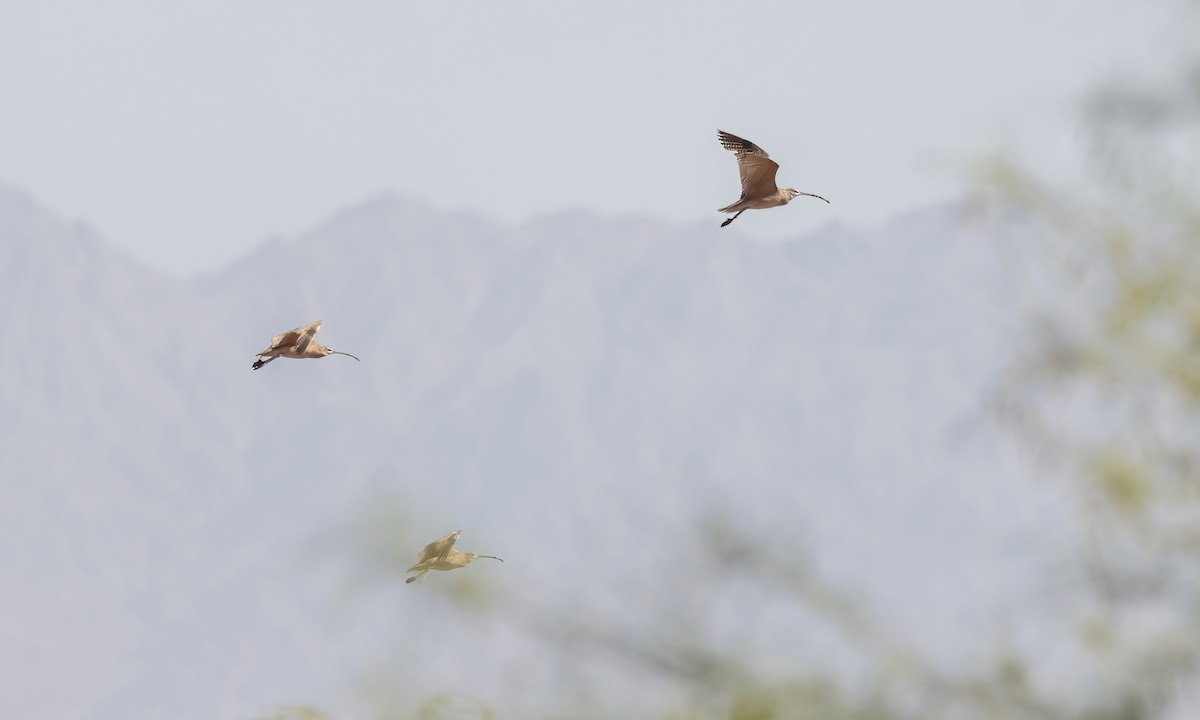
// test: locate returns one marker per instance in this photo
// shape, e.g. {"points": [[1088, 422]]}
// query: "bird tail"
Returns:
{"points": [[730, 208]]}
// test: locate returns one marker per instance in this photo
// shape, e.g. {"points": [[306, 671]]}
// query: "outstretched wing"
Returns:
{"points": [[438, 549], [756, 168]]}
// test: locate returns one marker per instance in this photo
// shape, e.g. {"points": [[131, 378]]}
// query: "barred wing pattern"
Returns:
{"points": [[756, 168]]}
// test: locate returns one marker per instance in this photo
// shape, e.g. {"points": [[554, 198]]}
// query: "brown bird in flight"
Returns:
{"points": [[297, 344], [758, 178], [441, 555]]}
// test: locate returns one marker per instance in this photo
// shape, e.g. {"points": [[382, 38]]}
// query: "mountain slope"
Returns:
{"points": [[572, 393]]}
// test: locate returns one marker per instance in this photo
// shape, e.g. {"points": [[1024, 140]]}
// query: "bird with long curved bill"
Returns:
{"points": [[757, 170], [441, 555], [297, 344]]}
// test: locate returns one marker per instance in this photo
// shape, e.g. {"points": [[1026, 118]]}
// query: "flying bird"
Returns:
{"points": [[758, 178], [297, 344], [441, 555]]}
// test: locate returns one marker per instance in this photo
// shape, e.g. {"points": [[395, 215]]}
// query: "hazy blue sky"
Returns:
{"points": [[189, 131]]}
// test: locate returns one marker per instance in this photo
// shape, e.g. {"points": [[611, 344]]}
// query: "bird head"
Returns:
{"points": [[331, 351], [474, 556], [793, 192]]}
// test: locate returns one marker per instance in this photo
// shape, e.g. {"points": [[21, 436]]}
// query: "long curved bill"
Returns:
{"points": [[337, 352], [492, 557]]}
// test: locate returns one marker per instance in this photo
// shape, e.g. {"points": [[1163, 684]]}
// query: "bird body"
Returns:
{"points": [[441, 555], [757, 171], [297, 344], [781, 196]]}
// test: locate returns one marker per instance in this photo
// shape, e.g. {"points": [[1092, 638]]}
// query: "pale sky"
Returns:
{"points": [[188, 132]]}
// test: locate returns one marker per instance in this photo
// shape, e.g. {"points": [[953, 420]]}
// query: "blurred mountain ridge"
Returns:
{"points": [[572, 392]]}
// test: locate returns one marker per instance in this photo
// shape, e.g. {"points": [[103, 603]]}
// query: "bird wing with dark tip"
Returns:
{"points": [[755, 166], [729, 141]]}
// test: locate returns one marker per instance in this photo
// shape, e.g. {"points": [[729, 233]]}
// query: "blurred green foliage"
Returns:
{"points": [[1108, 382], [294, 712]]}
